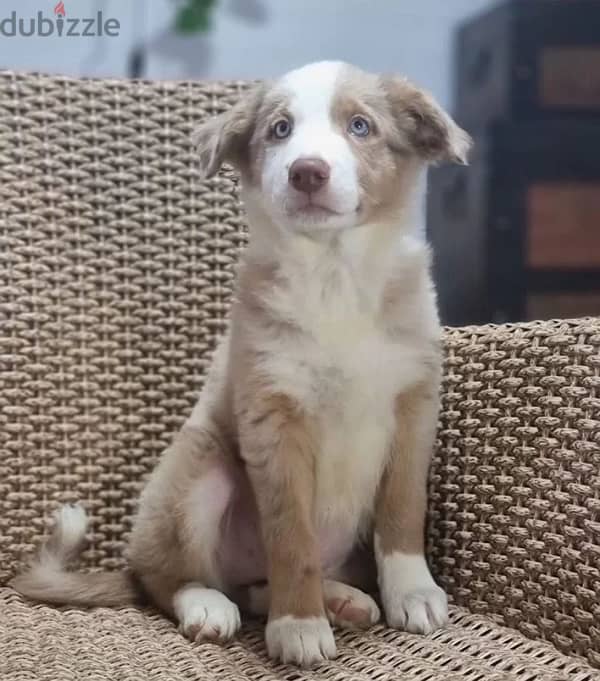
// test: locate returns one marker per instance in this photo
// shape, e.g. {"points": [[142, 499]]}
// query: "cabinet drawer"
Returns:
{"points": [[570, 78], [558, 305], [529, 59], [563, 221]]}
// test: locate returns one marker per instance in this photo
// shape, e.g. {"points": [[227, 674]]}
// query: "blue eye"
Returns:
{"points": [[282, 129], [359, 126]]}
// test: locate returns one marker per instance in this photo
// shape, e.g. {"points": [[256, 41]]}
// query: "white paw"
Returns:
{"points": [[411, 599], [349, 607], [421, 611], [302, 641], [205, 614]]}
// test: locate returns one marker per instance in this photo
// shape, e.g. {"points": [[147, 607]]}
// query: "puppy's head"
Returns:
{"points": [[329, 146]]}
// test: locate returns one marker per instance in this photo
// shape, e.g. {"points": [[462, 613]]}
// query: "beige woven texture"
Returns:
{"points": [[116, 266]]}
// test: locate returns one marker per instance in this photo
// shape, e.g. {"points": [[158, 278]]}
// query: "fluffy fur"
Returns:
{"points": [[314, 433]]}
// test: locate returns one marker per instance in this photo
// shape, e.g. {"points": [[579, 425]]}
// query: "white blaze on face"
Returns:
{"points": [[311, 91]]}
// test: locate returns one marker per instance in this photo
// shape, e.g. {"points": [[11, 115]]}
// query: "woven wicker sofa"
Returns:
{"points": [[116, 266]]}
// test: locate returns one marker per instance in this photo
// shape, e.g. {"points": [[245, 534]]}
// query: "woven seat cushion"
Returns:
{"points": [[49, 644]]}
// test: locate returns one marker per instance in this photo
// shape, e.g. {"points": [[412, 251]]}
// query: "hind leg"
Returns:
{"points": [[349, 607], [346, 606], [178, 537], [202, 613], [346, 590], [205, 614], [347, 598]]}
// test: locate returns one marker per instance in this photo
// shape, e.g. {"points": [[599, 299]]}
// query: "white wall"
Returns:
{"points": [[407, 36]]}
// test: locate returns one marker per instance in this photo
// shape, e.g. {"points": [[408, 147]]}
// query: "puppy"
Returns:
{"points": [[305, 460]]}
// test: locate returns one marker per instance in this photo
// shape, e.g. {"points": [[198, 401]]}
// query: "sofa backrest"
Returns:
{"points": [[116, 265]]}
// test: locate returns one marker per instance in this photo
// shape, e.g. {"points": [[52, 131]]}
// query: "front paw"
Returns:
{"points": [[305, 641], [421, 611], [412, 601]]}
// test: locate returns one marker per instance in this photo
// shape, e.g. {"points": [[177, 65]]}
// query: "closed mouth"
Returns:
{"points": [[314, 210]]}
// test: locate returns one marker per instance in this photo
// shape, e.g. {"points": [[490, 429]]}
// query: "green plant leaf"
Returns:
{"points": [[194, 16]]}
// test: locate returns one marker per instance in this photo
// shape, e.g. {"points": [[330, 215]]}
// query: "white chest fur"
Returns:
{"points": [[346, 369]]}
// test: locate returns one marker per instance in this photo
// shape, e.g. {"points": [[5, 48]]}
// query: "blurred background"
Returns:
{"points": [[517, 234], [247, 38]]}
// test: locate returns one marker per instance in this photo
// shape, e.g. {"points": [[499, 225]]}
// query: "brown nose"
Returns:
{"points": [[308, 174]]}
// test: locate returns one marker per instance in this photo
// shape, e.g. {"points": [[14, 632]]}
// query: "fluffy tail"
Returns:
{"points": [[49, 581]]}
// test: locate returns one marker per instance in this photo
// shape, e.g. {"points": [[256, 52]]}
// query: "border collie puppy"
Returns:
{"points": [[299, 480]]}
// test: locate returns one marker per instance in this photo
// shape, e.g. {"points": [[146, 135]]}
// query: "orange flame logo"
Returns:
{"points": [[59, 10]]}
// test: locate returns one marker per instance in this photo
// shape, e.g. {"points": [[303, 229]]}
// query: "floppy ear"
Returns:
{"points": [[225, 137], [429, 130]]}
